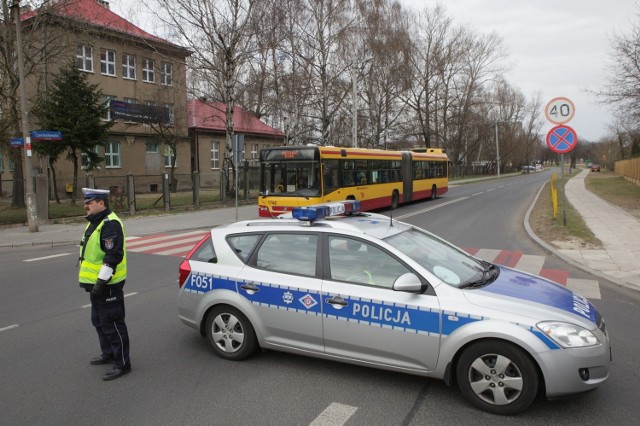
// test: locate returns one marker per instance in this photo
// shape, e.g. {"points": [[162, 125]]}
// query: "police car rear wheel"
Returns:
{"points": [[230, 333], [497, 377]]}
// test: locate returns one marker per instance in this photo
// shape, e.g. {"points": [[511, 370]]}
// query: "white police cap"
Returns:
{"points": [[91, 194]]}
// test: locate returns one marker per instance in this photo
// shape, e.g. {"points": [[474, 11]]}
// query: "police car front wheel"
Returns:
{"points": [[497, 377], [230, 333]]}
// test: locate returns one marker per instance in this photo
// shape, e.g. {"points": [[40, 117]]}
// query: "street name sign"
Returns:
{"points": [[46, 135]]}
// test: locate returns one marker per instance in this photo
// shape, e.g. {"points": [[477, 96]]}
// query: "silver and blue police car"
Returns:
{"points": [[361, 288]]}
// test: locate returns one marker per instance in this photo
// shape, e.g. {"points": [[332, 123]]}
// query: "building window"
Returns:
{"points": [[254, 154], [1, 163], [84, 58], [169, 156], [148, 73], [166, 73], [108, 62], [10, 164], [172, 118], [106, 99], [128, 66], [215, 155], [153, 148], [112, 155], [86, 162]]}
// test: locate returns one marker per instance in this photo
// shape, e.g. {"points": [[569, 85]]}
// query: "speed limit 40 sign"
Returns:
{"points": [[559, 110]]}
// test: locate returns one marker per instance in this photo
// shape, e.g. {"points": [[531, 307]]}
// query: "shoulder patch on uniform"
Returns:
{"points": [[108, 243]]}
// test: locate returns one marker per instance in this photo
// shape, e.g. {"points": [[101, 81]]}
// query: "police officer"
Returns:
{"points": [[103, 270]]}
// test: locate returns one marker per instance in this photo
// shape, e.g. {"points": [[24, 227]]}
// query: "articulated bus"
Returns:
{"points": [[295, 176]]}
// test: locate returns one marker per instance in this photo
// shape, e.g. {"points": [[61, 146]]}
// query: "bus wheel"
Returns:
{"points": [[394, 200], [434, 191]]}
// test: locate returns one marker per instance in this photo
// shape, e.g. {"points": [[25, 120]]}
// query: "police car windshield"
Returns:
{"points": [[443, 260]]}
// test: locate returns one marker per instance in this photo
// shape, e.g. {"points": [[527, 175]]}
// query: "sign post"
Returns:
{"points": [[562, 139]]}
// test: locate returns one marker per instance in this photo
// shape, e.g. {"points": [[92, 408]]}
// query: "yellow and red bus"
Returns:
{"points": [[295, 176]]}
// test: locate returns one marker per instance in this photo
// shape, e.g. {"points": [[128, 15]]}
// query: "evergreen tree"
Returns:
{"points": [[74, 107]]}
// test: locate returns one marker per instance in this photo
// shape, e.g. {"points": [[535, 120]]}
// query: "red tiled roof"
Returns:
{"points": [[91, 12], [212, 116]]}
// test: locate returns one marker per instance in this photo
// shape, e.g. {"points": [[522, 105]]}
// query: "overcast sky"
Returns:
{"points": [[556, 47]]}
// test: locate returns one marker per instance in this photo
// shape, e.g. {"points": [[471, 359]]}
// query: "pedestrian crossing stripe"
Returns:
{"points": [[179, 245]]}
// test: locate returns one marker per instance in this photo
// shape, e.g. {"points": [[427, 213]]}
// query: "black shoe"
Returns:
{"points": [[116, 372], [102, 359]]}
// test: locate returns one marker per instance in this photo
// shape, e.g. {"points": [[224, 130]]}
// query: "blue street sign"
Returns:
{"points": [[16, 142], [48, 135]]}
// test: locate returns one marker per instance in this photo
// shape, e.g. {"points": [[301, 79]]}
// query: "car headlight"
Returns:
{"points": [[568, 335]]}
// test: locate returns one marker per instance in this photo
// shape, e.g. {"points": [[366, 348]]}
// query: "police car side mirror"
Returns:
{"points": [[409, 282]]}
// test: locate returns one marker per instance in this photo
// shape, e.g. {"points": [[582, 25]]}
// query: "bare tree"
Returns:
{"points": [[219, 32]]}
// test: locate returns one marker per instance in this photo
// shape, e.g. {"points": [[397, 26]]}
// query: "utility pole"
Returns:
{"points": [[32, 210], [354, 82], [497, 152]]}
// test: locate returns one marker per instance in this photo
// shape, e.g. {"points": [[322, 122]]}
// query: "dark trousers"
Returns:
{"points": [[107, 316]]}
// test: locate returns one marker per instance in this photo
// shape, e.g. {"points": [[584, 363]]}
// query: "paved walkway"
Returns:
{"points": [[619, 232], [617, 262]]}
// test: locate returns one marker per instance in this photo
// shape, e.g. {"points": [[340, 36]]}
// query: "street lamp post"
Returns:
{"points": [[32, 210], [497, 152], [354, 83]]}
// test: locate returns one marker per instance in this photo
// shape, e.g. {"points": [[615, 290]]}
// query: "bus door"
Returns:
{"points": [[407, 177]]}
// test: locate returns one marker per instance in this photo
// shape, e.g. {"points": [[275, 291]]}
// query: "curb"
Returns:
{"points": [[553, 251]]}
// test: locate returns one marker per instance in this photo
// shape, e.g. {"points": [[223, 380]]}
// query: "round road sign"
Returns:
{"points": [[559, 110], [562, 139]]}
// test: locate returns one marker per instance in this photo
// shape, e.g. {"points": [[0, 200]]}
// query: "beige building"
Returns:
{"points": [[140, 74]]}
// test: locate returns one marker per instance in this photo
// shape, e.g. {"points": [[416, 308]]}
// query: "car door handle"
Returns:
{"points": [[249, 287], [337, 300]]}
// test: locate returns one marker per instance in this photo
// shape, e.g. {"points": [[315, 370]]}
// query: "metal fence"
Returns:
{"points": [[134, 193]]}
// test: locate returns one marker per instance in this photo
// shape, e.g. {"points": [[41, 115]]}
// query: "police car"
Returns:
{"points": [[337, 284]]}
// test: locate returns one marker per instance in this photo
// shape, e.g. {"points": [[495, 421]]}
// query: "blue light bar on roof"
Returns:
{"points": [[319, 211]]}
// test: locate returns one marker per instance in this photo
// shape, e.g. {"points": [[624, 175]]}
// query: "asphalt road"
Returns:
{"points": [[46, 341]]}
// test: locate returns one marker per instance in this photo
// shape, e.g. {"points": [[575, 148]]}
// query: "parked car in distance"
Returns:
{"points": [[595, 167]]}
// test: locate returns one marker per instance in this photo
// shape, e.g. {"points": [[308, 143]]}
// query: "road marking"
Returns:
{"points": [[10, 327], [334, 415], [126, 295], [477, 193], [404, 216], [46, 257], [587, 288]]}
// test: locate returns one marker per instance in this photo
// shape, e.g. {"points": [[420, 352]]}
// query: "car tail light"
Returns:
{"points": [[185, 268]]}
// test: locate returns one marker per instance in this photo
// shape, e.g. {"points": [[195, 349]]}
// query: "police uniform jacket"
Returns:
{"points": [[103, 243]]}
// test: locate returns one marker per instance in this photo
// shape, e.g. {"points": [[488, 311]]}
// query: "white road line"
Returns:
{"points": [[491, 189], [46, 257], [334, 415], [477, 193], [404, 216], [10, 327], [174, 241], [487, 254], [587, 288], [530, 263], [126, 295]]}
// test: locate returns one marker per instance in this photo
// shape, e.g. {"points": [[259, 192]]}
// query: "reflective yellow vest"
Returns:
{"points": [[94, 255]]}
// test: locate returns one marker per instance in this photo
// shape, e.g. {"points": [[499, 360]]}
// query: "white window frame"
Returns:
{"points": [[128, 66], [1, 163], [148, 71], [106, 99], [168, 155], [215, 155], [166, 73], [108, 62], [112, 155], [84, 58], [172, 118], [254, 154]]}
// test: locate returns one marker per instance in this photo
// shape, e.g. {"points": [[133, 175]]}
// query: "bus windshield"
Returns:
{"points": [[291, 178]]}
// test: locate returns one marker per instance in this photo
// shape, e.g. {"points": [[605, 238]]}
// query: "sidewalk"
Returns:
{"points": [[62, 234], [619, 232]]}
